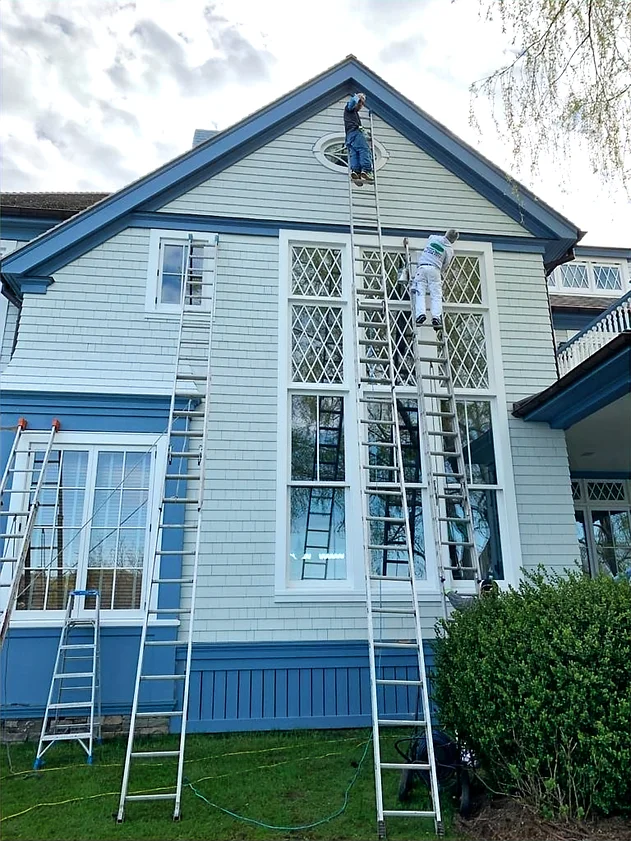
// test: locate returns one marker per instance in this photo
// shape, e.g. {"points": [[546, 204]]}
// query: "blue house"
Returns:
{"points": [[539, 335]]}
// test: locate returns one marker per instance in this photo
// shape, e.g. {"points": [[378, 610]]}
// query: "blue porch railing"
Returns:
{"points": [[598, 333]]}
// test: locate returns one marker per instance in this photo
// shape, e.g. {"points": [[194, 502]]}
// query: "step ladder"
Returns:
{"points": [[180, 515], [385, 507], [73, 708], [443, 453], [20, 500]]}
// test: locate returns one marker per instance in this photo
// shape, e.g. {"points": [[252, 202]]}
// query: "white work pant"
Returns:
{"points": [[428, 279]]}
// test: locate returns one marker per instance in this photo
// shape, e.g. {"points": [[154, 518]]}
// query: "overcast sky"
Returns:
{"points": [[99, 92]]}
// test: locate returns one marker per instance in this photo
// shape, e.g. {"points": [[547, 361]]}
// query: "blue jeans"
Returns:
{"points": [[358, 151]]}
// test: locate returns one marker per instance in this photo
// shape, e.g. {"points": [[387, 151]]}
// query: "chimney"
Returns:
{"points": [[202, 135]]}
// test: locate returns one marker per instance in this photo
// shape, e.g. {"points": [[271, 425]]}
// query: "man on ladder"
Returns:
{"points": [[360, 158], [433, 262]]}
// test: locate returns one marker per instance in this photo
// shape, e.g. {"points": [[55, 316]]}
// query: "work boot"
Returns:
{"points": [[437, 323], [420, 319], [367, 176]]}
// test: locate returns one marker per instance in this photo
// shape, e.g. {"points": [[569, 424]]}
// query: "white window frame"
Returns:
{"points": [[587, 506], [153, 306], [353, 588], [96, 441], [339, 137], [555, 281]]}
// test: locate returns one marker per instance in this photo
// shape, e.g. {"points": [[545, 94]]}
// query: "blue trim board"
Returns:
{"points": [[24, 228], [234, 686], [600, 474], [571, 320], [50, 251], [600, 380], [28, 656], [594, 251], [271, 227]]}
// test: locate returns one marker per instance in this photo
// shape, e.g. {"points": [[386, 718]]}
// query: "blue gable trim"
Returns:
{"points": [[599, 381], [47, 253], [594, 252]]}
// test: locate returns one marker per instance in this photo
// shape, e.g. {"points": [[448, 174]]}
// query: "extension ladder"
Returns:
{"points": [[73, 708], [180, 514], [443, 452], [19, 503], [385, 507]]}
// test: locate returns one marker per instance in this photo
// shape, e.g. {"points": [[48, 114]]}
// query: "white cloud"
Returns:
{"points": [[99, 92]]}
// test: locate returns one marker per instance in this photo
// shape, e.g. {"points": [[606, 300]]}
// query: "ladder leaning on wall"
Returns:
{"points": [[171, 592], [20, 499], [385, 511]]}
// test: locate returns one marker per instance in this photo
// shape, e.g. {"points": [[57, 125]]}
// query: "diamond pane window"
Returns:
{"points": [[316, 344], [576, 490], [574, 276], [606, 491], [463, 281], [394, 261], [316, 272], [467, 349], [607, 277]]}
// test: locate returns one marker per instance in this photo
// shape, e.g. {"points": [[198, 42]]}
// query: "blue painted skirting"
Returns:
{"points": [[234, 686]]}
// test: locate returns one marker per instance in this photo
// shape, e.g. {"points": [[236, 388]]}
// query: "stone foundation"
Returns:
{"points": [[28, 729]]}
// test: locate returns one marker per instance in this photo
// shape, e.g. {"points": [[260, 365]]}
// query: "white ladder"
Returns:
{"points": [[68, 701], [450, 505], [385, 512], [180, 514], [19, 504]]}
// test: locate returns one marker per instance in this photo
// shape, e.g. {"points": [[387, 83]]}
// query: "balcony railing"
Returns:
{"points": [[598, 333]]}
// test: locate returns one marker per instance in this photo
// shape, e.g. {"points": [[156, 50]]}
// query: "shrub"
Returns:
{"points": [[537, 682]]}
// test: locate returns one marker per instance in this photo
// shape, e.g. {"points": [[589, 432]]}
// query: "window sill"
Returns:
{"points": [[105, 622]]}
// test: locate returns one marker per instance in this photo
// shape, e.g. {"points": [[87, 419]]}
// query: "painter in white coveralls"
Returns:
{"points": [[433, 262]]}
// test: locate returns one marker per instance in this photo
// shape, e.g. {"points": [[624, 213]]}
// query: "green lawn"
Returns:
{"points": [[285, 779]]}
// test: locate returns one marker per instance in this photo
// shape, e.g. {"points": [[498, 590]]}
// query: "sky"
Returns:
{"points": [[96, 93]]}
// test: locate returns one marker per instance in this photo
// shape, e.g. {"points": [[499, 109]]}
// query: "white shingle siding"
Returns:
{"points": [[284, 180], [540, 461]]}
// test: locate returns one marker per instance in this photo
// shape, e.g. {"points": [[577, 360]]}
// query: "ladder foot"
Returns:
{"points": [[381, 830], [90, 759], [38, 764], [440, 829]]}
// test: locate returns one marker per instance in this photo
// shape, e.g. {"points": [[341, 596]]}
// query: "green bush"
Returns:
{"points": [[537, 682]]}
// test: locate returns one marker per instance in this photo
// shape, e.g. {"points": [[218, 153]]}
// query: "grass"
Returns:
{"points": [[287, 779]]}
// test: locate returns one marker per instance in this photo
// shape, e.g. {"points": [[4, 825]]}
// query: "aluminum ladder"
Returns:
{"points": [[443, 452], [180, 514], [19, 504], [385, 502], [79, 645]]}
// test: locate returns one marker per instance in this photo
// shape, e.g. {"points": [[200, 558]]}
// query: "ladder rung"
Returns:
{"points": [[186, 454], [441, 415], [446, 453], [185, 413], [162, 642], [186, 434], [9, 561], [191, 395], [437, 359], [436, 396], [69, 706], [62, 675], [382, 681], [172, 610], [397, 722], [395, 645], [453, 519], [175, 552], [390, 577], [453, 497], [193, 477], [162, 677], [373, 360], [438, 377], [408, 813], [375, 342], [399, 611], [172, 580], [184, 526], [442, 434], [78, 645], [391, 468], [180, 500], [150, 796], [65, 737], [386, 490], [456, 543], [398, 547], [429, 342], [461, 569], [374, 381], [376, 399], [152, 753], [448, 475], [172, 713], [400, 520]]}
